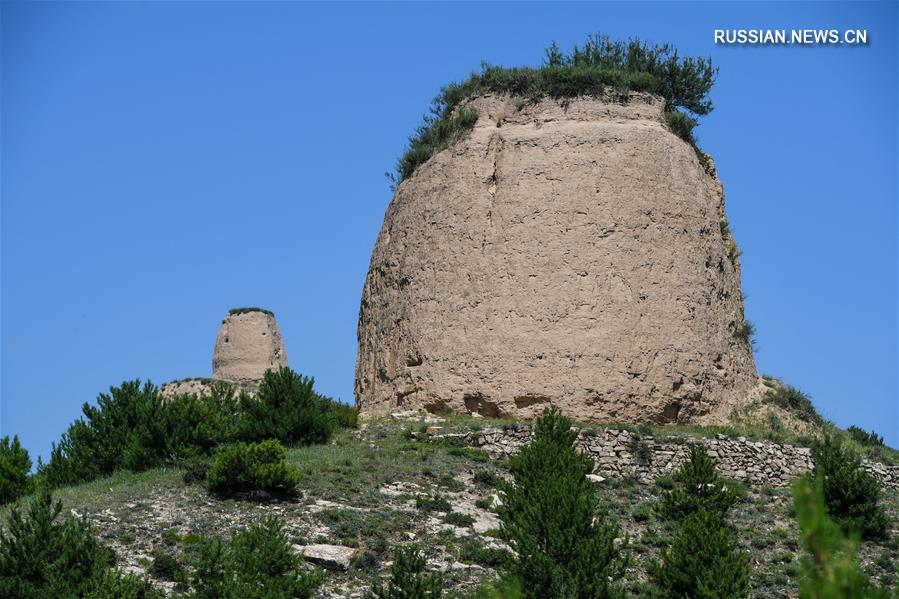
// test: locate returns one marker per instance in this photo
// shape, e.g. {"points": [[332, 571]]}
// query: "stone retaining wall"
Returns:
{"points": [[620, 453]]}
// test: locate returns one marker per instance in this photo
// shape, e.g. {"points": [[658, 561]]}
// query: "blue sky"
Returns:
{"points": [[164, 162]]}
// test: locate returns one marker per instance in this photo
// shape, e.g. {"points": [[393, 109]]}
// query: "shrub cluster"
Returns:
{"points": [[45, 555], [704, 560], [252, 467], [793, 400], [564, 544], [14, 468], [588, 70], [865, 438], [134, 428], [852, 496], [258, 564], [407, 578]]}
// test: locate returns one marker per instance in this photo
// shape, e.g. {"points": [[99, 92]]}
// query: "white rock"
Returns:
{"points": [[333, 557]]}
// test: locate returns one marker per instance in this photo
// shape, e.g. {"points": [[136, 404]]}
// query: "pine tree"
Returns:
{"points": [[703, 562], [14, 468], [698, 486], [43, 555], [852, 495], [565, 546], [829, 569], [407, 578]]}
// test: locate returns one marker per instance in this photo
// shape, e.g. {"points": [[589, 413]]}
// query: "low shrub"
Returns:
{"points": [[485, 478], [852, 496], [434, 503], [697, 487], [829, 567], [550, 517], [407, 578], [258, 564], [165, 566], [704, 560], [14, 468], [474, 552], [235, 311], [195, 471], [745, 332], [865, 438], [469, 453], [252, 467], [641, 451], [345, 415], [794, 401], [681, 125], [459, 519]]}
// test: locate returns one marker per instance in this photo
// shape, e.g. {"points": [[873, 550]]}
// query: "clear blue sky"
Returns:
{"points": [[164, 162]]}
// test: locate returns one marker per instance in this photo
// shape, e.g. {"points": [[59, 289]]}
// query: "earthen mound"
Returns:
{"points": [[572, 254]]}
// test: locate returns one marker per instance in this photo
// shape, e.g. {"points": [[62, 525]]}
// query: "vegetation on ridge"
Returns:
{"points": [[134, 428], [359, 491], [593, 69], [234, 311]]}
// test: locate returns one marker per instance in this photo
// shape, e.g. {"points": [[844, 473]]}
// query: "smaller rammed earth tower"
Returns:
{"points": [[247, 345]]}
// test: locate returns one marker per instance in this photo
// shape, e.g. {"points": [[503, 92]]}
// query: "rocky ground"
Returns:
{"points": [[391, 482]]}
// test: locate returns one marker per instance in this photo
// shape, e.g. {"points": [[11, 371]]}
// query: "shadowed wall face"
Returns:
{"points": [[573, 255]]}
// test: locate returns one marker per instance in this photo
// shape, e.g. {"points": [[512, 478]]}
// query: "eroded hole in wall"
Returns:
{"points": [[480, 404], [530, 399], [671, 411]]}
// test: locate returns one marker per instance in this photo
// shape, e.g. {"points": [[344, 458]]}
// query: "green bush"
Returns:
{"points": [[195, 471], [14, 468], [114, 585], [745, 332], [252, 467], [45, 555], [704, 561], [865, 438], [165, 566], [590, 70], [195, 425], [851, 495], [124, 430], [235, 311], [345, 416], [681, 125], [407, 578], [434, 503], [135, 428], [829, 567], [793, 400], [286, 408], [697, 487], [473, 552], [258, 564], [551, 518], [459, 519]]}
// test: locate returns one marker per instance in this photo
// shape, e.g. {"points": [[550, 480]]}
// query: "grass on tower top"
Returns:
{"points": [[600, 65], [235, 311]]}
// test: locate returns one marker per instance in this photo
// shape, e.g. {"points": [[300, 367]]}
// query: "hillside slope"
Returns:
{"points": [[386, 483]]}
